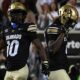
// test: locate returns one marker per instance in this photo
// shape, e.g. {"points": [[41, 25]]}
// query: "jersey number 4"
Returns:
{"points": [[12, 48]]}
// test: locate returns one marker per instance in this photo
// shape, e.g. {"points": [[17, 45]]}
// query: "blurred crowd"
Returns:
{"points": [[42, 11]]}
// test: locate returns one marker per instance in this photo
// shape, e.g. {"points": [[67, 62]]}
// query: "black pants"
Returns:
{"points": [[2, 74]]}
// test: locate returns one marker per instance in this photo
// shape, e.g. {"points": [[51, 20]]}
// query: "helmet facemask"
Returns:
{"points": [[17, 16]]}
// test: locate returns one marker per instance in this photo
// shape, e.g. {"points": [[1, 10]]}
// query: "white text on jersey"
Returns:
{"points": [[16, 36]]}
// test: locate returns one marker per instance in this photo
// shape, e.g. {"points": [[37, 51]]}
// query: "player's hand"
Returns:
{"points": [[45, 67], [62, 29]]}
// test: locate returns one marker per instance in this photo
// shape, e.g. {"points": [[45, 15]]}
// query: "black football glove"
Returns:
{"points": [[45, 67]]}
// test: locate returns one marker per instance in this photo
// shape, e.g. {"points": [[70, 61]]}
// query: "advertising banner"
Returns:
{"points": [[73, 45]]}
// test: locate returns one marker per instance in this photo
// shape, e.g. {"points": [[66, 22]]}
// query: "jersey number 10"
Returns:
{"points": [[12, 48]]}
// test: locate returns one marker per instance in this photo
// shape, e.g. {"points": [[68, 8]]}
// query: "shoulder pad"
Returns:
{"points": [[32, 28]]}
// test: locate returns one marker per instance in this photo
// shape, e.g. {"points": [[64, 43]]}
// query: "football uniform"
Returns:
{"points": [[17, 36], [58, 61], [17, 40]]}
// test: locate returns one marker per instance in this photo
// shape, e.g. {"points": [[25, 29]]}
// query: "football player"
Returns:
{"points": [[56, 38], [16, 37]]}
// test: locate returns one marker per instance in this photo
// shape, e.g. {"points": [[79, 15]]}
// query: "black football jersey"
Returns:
{"points": [[57, 60], [18, 39]]}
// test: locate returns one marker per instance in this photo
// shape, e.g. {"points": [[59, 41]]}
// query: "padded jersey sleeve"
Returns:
{"points": [[32, 32]]}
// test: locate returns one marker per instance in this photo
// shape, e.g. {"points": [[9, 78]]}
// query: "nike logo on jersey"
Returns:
{"points": [[16, 36]]}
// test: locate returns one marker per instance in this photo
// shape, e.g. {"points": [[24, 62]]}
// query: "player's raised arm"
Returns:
{"points": [[41, 49], [42, 53]]}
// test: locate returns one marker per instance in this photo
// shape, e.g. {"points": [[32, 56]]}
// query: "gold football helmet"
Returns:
{"points": [[68, 15], [16, 6], [17, 12]]}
